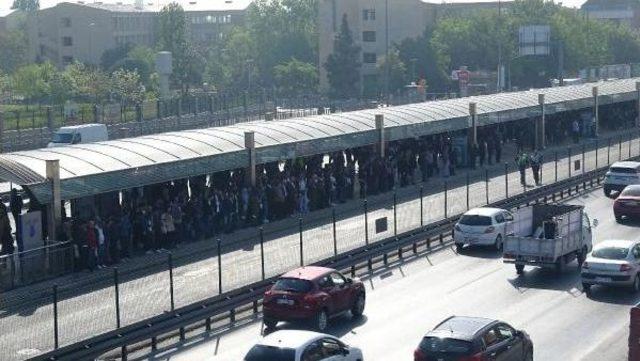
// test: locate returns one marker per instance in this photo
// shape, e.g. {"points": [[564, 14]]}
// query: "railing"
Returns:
{"points": [[367, 257], [36, 265]]}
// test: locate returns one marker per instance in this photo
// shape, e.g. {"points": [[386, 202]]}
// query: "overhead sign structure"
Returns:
{"points": [[534, 40]]}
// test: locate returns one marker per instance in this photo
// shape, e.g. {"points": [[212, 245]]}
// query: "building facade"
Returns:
{"points": [[617, 11], [83, 31], [377, 24]]}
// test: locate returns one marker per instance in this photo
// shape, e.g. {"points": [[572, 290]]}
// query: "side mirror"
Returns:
{"points": [[349, 281], [345, 351], [518, 334]]}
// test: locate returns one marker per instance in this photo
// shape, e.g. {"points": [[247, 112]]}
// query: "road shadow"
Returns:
{"points": [[547, 279], [630, 222], [485, 252], [613, 295], [338, 326]]}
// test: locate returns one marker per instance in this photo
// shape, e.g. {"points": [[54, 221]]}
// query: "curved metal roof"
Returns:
{"points": [[87, 169]]}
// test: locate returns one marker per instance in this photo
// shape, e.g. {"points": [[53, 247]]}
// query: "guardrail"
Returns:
{"points": [[226, 305]]}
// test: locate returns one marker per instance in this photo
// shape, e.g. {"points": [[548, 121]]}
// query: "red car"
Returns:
{"points": [[312, 294], [628, 203]]}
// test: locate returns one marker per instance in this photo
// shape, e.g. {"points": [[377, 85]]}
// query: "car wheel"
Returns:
{"points": [[498, 243], [561, 265], [321, 321], [270, 323], [459, 247], [529, 356], [582, 255], [586, 288], [607, 193], [618, 218], [636, 284], [358, 306], [519, 269]]}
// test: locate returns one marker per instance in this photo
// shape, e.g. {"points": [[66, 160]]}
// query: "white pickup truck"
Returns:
{"points": [[548, 235]]}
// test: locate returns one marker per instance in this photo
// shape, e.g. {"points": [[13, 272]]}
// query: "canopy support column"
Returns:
{"points": [[638, 103], [540, 125], [381, 137], [250, 144], [473, 134], [54, 210]]}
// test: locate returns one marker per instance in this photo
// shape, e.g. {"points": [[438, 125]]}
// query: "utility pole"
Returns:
{"points": [[386, 51], [500, 71]]}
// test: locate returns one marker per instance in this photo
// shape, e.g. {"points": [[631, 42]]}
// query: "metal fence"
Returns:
{"points": [[65, 313]]}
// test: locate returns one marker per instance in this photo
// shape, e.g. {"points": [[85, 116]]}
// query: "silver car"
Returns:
{"points": [[613, 263]]}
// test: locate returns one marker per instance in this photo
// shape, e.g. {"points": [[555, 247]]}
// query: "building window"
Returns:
{"points": [[66, 22], [67, 41], [369, 36], [369, 58], [66, 60], [369, 14]]}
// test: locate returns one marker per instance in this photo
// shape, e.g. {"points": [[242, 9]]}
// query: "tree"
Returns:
{"points": [[397, 73], [344, 64], [33, 81], [14, 50], [26, 5], [91, 83], [127, 87], [111, 56], [188, 61], [296, 77], [421, 61]]}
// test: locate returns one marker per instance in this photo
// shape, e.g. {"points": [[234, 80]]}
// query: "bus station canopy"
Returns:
{"points": [[95, 168]]}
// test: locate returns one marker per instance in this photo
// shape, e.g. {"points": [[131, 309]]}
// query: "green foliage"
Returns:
{"points": [[344, 64], [398, 77], [421, 60], [295, 77], [32, 81], [110, 57], [14, 50], [26, 5], [127, 87], [91, 83]]}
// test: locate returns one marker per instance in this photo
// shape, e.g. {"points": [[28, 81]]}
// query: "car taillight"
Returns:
{"points": [[585, 265], [489, 229], [509, 256], [309, 301], [625, 267], [418, 355], [476, 357]]}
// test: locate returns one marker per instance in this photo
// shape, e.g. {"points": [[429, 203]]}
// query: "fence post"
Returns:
{"points": [[301, 244], [116, 285], [467, 190], [262, 252], [158, 110], [486, 184], [55, 316], [506, 180], [630, 139], [569, 160], [421, 207], [366, 223], [583, 164], [219, 266], [620, 147], [335, 238], [446, 191], [170, 261], [556, 164], [597, 153], [609, 151], [395, 217]]}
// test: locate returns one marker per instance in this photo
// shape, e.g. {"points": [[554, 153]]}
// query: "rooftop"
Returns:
{"points": [[290, 338], [463, 326], [307, 273]]}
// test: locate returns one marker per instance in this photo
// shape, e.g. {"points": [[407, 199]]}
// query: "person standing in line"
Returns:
{"points": [[575, 131], [92, 243], [536, 163], [522, 161], [16, 203]]}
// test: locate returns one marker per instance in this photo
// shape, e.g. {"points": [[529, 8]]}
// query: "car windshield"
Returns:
{"points": [[623, 170], [611, 253], [62, 138], [445, 345], [475, 220], [292, 285], [270, 353], [631, 192]]}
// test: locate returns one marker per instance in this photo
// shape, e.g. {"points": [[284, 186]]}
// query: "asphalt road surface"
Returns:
{"points": [[409, 300], [83, 314]]}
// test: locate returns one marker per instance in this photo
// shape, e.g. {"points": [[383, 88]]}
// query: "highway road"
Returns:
{"points": [[407, 301], [87, 312]]}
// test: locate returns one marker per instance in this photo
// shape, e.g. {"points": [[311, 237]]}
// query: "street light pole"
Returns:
{"points": [[386, 51]]}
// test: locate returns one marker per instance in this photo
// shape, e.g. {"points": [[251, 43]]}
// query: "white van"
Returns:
{"points": [[620, 175], [77, 134]]}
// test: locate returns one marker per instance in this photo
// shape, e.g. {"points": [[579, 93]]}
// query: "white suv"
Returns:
{"points": [[620, 175]]}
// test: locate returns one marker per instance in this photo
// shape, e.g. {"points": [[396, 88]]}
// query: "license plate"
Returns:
{"points": [[282, 301], [603, 279]]}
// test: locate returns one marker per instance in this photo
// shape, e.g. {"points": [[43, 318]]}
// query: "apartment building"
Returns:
{"points": [[378, 24], [83, 31], [617, 11]]}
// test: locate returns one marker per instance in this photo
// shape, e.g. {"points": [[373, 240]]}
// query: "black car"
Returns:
{"points": [[474, 339]]}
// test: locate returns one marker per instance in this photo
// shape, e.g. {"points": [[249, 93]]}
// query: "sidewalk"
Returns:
{"points": [[87, 305]]}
